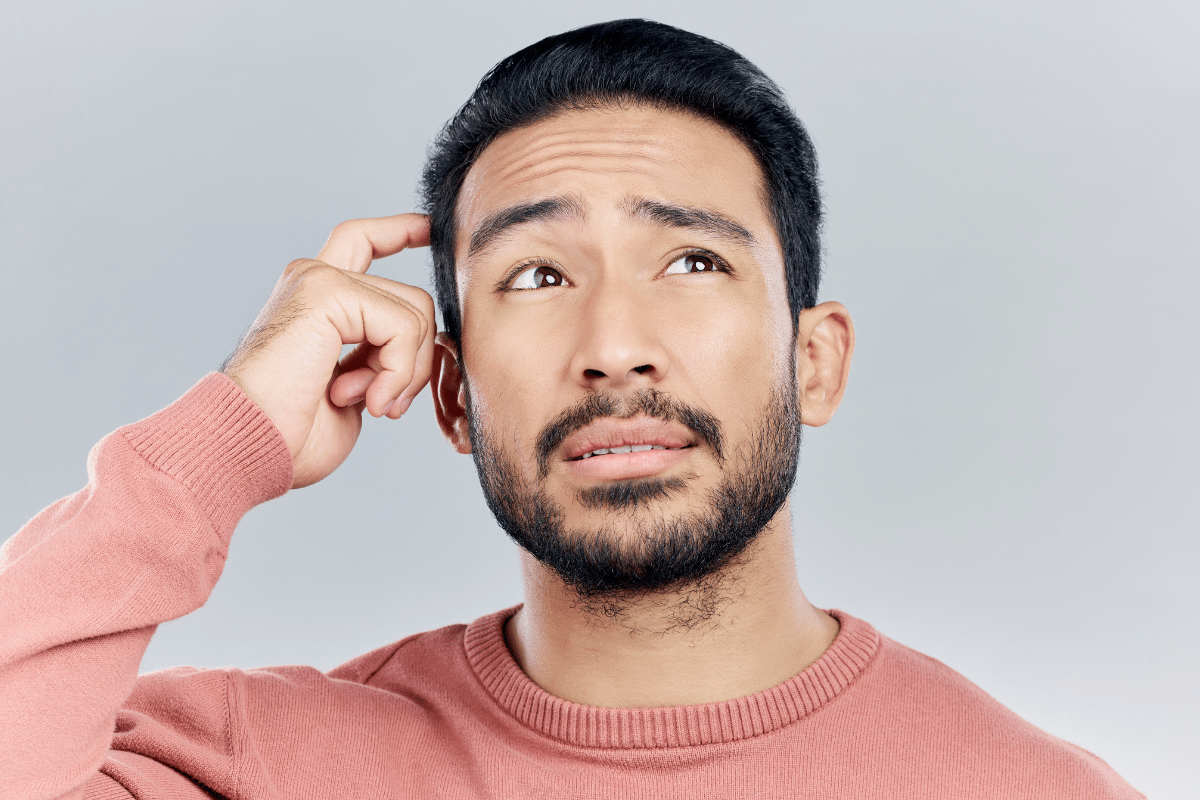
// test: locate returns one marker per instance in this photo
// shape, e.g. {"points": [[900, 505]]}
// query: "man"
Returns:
{"points": [[624, 224]]}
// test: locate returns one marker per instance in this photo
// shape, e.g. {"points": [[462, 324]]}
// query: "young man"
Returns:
{"points": [[624, 225]]}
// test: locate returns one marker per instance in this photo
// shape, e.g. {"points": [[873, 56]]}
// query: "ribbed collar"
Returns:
{"points": [[674, 726]]}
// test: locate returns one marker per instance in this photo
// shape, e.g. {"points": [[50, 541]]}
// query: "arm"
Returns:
{"points": [[85, 583]]}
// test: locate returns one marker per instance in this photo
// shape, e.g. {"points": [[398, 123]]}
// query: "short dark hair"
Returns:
{"points": [[645, 63]]}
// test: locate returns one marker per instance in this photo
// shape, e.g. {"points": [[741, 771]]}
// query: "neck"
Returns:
{"points": [[735, 634]]}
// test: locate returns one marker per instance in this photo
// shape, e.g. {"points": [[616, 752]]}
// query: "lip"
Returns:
{"points": [[676, 440], [627, 466], [636, 431]]}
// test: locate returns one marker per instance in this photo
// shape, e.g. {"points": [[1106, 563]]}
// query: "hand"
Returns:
{"points": [[288, 363]]}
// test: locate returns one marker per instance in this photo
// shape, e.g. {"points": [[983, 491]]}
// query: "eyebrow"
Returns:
{"points": [[496, 225], [673, 216]]}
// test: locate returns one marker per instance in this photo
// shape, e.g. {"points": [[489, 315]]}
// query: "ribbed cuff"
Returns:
{"points": [[220, 445]]}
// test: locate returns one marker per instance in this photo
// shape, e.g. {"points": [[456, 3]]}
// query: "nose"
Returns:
{"points": [[619, 344]]}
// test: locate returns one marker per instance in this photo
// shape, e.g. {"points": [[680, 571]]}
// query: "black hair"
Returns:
{"points": [[644, 63]]}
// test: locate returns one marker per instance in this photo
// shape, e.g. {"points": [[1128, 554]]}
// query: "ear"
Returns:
{"points": [[449, 394], [824, 345]]}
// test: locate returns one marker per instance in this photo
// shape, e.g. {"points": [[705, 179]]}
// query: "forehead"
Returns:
{"points": [[606, 156]]}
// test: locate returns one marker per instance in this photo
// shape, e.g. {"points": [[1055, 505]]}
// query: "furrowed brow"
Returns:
{"points": [[496, 225], [672, 216]]}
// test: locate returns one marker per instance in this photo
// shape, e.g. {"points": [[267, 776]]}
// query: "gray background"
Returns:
{"points": [[1010, 485]]}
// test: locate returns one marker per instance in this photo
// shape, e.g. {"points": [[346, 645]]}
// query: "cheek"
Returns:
{"points": [[509, 373], [516, 352], [730, 344], [723, 367]]}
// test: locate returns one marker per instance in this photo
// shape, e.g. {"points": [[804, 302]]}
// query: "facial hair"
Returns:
{"points": [[631, 557]]}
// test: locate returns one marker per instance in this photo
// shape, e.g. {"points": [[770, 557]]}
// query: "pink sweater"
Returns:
{"points": [[446, 713]]}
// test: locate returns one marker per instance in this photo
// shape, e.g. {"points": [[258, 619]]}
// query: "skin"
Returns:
{"points": [[616, 306]]}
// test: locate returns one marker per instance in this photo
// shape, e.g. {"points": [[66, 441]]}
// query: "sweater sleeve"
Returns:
{"points": [[85, 583]]}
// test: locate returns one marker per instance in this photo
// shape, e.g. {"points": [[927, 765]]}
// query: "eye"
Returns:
{"points": [[695, 262], [538, 277]]}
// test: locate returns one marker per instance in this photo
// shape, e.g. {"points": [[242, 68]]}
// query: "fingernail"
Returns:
{"points": [[404, 405], [387, 409]]}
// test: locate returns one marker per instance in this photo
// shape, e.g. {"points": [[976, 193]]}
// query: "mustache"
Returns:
{"points": [[651, 402]]}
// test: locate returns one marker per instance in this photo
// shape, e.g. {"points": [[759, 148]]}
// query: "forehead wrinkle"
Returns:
{"points": [[518, 159], [543, 157], [539, 166], [564, 150]]}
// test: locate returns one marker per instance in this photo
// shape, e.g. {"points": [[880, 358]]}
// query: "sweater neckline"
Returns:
{"points": [[673, 726]]}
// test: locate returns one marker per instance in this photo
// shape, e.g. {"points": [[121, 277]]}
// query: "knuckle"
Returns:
{"points": [[414, 322], [320, 274], [323, 270], [427, 304], [297, 267], [306, 281], [420, 305], [406, 335], [346, 229], [304, 269], [425, 320]]}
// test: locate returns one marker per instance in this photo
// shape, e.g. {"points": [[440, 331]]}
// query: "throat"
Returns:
{"points": [[733, 634]]}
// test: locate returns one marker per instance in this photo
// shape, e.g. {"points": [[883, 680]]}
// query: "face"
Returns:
{"points": [[628, 345]]}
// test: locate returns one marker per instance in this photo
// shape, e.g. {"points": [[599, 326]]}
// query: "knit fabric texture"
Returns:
{"points": [[447, 713]]}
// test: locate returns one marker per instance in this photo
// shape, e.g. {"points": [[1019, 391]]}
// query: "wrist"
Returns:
{"points": [[219, 444]]}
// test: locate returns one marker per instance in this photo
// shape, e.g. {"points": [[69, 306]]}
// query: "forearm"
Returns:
{"points": [[84, 584]]}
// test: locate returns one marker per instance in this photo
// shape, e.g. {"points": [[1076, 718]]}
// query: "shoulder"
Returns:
{"points": [[429, 654], [396, 678], [397, 669], [920, 705], [422, 651]]}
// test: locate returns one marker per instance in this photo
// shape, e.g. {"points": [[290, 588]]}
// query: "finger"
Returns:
{"points": [[399, 332], [354, 374], [351, 387], [359, 357], [399, 369], [413, 295], [411, 298], [396, 332], [422, 372], [422, 303], [417, 361], [410, 294], [354, 244]]}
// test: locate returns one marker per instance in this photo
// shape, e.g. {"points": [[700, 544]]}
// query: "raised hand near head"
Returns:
{"points": [[289, 361]]}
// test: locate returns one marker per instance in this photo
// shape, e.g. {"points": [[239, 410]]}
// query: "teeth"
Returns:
{"points": [[628, 448]]}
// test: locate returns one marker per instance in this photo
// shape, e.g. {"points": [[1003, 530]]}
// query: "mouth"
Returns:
{"points": [[624, 449], [628, 448]]}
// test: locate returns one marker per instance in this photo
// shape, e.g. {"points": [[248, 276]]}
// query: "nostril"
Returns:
{"points": [[643, 369], [593, 373]]}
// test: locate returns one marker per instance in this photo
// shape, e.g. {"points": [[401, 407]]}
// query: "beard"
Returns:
{"points": [[637, 555]]}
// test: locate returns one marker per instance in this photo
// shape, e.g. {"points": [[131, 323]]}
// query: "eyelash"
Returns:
{"points": [[505, 284], [721, 264]]}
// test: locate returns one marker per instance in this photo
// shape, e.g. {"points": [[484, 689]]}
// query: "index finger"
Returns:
{"points": [[354, 244]]}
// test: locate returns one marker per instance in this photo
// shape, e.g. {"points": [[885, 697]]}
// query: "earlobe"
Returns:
{"points": [[449, 394], [824, 346]]}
